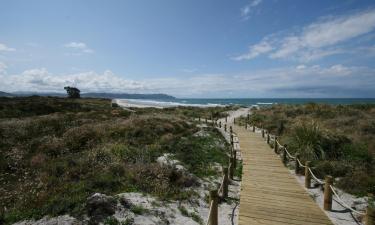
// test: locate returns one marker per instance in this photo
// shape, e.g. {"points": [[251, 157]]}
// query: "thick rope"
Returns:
{"points": [[233, 211], [315, 178], [343, 203], [222, 185], [209, 213], [289, 155], [300, 164]]}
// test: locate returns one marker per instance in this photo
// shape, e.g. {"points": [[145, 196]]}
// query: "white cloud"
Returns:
{"points": [[255, 50], [41, 80], [4, 48], [3, 68], [320, 39], [248, 9], [295, 81], [79, 46]]}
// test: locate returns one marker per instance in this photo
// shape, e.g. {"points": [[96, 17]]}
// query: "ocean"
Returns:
{"points": [[204, 102]]}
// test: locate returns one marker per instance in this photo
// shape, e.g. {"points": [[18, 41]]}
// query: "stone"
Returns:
{"points": [[99, 207]]}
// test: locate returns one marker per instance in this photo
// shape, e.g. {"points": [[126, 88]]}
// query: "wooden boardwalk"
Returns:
{"points": [[269, 193]]}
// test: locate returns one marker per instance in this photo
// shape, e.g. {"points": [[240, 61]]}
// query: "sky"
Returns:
{"points": [[190, 48]]}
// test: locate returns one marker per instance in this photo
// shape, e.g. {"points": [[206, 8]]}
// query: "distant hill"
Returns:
{"points": [[99, 95], [4, 94], [127, 96]]}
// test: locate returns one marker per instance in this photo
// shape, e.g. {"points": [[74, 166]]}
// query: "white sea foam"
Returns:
{"points": [[144, 103]]}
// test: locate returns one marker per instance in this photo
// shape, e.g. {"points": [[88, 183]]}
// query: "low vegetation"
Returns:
{"points": [[339, 140], [56, 152]]}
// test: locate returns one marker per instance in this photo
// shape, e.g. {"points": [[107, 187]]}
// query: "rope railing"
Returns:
{"points": [[209, 213], [289, 155], [315, 178], [300, 164], [222, 192], [343, 203], [221, 185]]}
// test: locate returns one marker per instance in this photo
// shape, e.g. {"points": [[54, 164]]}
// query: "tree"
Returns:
{"points": [[72, 92]]}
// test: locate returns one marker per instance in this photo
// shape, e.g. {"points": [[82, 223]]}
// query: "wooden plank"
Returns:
{"points": [[270, 194]]}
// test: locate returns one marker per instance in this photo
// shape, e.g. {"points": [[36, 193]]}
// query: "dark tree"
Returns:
{"points": [[72, 92]]}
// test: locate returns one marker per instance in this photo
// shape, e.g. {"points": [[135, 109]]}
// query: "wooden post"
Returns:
{"points": [[214, 210], [307, 175], [284, 156], [275, 145], [253, 128], [219, 124], [262, 132], [226, 119], [231, 139], [370, 216], [234, 120], [225, 182], [231, 129], [248, 117], [296, 169], [268, 138], [199, 119], [206, 119], [328, 193], [231, 168], [234, 159]]}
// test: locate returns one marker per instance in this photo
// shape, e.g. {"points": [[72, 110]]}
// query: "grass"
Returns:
{"points": [[138, 209], [337, 139], [55, 152], [193, 215]]}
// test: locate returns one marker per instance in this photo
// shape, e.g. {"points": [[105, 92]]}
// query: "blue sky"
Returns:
{"points": [[190, 48]]}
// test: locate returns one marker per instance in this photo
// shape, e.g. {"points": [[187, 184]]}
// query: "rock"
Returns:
{"points": [[60, 220], [100, 206]]}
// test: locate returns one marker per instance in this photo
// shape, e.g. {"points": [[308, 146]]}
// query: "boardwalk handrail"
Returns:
{"points": [[342, 203], [319, 181], [223, 189], [209, 213]]}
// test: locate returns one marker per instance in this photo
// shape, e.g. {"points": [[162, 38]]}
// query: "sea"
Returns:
{"points": [[213, 102]]}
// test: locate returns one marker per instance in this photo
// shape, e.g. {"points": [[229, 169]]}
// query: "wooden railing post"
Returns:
{"points": [[214, 198], [231, 129], [253, 128], [246, 126], [226, 119], [219, 124], [225, 127], [231, 168], [234, 120], [234, 159], [262, 132], [268, 138], [231, 140], [328, 193], [370, 215], [275, 145], [297, 168], [307, 175], [285, 160], [225, 182]]}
